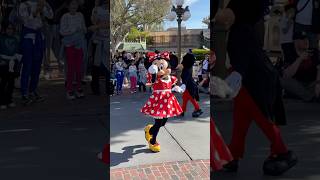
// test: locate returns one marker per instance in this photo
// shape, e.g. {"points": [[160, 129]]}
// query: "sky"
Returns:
{"points": [[198, 9]]}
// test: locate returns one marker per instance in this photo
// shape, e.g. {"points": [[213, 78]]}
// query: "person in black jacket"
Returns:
{"points": [[260, 97], [192, 92]]}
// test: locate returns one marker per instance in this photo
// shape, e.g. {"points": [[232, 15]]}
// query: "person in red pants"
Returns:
{"points": [[192, 92], [104, 156], [245, 112], [219, 152], [260, 96]]}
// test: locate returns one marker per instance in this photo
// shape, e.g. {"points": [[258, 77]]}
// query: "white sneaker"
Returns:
{"points": [[70, 96], [99, 156], [88, 78], [47, 76], [3, 107], [12, 105], [80, 94]]}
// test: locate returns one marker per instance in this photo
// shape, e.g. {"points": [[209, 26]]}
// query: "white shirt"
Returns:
{"points": [[305, 16], [199, 72], [132, 69], [205, 64], [142, 68], [100, 15], [285, 37], [119, 66], [72, 23], [26, 10]]}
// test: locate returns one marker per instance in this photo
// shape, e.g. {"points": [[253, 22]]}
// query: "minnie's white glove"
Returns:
{"points": [[219, 87], [234, 81], [153, 69], [180, 89], [183, 88]]}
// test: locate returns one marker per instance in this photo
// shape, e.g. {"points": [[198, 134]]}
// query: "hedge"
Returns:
{"points": [[200, 53]]}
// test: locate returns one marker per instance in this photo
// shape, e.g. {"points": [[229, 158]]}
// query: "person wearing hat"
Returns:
{"points": [[301, 76], [260, 97]]}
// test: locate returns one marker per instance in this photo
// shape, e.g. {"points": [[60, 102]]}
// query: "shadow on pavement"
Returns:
{"points": [[129, 151]]}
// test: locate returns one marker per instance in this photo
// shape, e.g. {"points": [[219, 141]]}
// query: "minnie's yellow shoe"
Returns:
{"points": [[148, 136], [154, 147]]}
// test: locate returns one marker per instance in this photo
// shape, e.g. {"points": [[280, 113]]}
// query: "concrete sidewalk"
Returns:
{"points": [[185, 139]]}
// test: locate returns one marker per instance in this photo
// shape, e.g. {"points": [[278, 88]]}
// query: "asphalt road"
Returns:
{"points": [[302, 135], [55, 139]]}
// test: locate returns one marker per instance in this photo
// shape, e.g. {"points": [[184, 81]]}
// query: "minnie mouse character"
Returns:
{"points": [[162, 104]]}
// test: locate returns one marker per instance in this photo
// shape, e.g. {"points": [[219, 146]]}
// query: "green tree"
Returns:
{"points": [[206, 21], [126, 14], [135, 35]]}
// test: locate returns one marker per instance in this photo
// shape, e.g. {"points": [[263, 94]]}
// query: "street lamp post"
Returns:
{"points": [[181, 14]]}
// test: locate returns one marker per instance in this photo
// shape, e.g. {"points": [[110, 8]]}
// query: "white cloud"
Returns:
{"points": [[187, 2]]}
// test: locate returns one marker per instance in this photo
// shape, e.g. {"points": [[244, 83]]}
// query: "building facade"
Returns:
{"points": [[168, 40]]}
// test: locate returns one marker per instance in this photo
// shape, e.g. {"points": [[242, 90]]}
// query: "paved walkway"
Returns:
{"points": [[54, 140], [183, 170], [182, 139]]}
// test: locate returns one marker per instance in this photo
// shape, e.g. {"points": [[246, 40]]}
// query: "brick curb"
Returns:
{"points": [[185, 170]]}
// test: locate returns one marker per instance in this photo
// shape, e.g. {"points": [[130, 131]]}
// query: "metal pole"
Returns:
{"points": [[219, 45], [179, 39]]}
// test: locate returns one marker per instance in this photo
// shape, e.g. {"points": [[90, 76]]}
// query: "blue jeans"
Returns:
{"points": [[119, 76], [32, 52]]}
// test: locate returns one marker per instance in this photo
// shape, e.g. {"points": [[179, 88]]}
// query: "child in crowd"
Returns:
{"points": [[142, 76], [199, 73], [9, 66], [286, 33], [73, 30], [119, 69], [204, 82], [133, 77], [99, 43], [32, 13]]}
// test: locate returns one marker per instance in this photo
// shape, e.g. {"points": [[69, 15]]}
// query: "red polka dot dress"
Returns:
{"points": [[162, 103]]}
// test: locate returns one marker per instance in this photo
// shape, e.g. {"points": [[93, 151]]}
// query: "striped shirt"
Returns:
{"points": [[71, 24]]}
